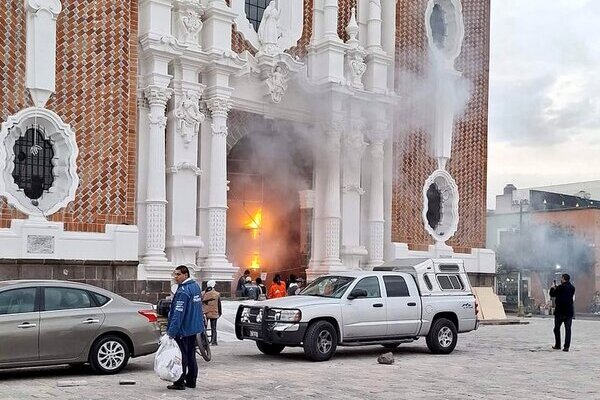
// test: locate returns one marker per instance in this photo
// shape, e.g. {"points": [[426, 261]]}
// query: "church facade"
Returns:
{"points": [[304, 137]]}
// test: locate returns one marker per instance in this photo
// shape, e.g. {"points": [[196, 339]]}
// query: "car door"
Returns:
{"points": [[403, 305], [19, 325], [69, 321], [365, 317]]}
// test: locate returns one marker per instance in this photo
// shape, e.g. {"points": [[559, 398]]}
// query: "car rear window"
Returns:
{"points": [[395, 286], [100, 299]]}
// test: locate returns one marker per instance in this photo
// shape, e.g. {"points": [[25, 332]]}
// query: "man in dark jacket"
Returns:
{"points": [[185, 321], [564, 311]]}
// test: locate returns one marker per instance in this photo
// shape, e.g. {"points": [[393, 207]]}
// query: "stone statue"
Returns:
{"points": [[277, 83], [269, 30], [189, 117]]}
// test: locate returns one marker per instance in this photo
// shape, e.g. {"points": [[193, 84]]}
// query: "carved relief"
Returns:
{"points": [[332, 238], [157, 120], [277, 83], [217, 226], [219, 130], [376, 241], [377, 151], [219, 106], [191, 24], [155, 235], [353, 187], [355, 55], [158, 95], [189, 117], [183, 166]]}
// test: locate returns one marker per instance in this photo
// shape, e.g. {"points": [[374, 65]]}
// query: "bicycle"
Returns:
{"points": [[203, 342]]}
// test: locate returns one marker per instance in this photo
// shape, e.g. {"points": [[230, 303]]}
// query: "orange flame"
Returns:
{"points": [[255, 262], [255, 223]]}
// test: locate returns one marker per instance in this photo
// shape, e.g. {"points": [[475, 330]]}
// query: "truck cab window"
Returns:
{"points": [[371, 285], [395, 286]]}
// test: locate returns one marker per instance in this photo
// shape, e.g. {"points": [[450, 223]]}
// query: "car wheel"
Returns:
{"points": [[109, 355], [320, 341], [270, 349], [391, 346], [442, 336]]}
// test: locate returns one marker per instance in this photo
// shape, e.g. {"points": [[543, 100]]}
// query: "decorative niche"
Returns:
{"points": [[445, 27], [440, 205]]}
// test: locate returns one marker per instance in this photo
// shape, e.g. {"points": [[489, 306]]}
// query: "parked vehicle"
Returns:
{"points": [[397, 303], [57, 322]]}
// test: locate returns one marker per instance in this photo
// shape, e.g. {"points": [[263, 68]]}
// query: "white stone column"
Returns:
{"points": [[354, 147], [376, 196], [332, 204], [154, 255], [215, 265], [184, 119], [330, 19]]}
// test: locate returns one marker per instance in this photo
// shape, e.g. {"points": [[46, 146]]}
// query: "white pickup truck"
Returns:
{"points": [[396, 303]]}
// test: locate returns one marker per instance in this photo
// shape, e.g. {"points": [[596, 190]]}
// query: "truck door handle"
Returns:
{"points": [[377, 305], [411, 304], [90, 321], [26, 325]]}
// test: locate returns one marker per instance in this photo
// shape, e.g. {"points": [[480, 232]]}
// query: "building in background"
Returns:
{"points": [[281, 136], [562, 225]]}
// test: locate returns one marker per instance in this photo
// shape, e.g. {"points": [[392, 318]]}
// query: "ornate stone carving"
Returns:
{"points": [[376, 230], [269, 30], [277, 83], [191, 25], [353, 187], [52, 6], [355, 56], [220, 130], [219, 106], [155, 234], [217, 220], [158, 95], [184, 165], [157, 120], [332, 238], [377, 151], [189, 117]]}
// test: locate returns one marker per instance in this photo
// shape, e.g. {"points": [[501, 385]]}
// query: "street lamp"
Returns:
{"points": [[521, 203]]}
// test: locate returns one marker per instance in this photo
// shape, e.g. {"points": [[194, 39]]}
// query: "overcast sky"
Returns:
{"points": [[544, 111]]}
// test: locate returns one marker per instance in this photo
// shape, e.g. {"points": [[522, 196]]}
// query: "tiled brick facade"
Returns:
{"points": [[96, 69], [413, 162]]}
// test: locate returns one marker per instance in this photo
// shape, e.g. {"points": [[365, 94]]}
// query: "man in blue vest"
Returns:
{"points": [[185, 321]]}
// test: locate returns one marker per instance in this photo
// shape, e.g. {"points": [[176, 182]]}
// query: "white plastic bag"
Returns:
{"points": [[167, 363]]}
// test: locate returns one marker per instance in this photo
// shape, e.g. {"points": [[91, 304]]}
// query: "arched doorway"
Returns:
{"points": [[267, 231]]}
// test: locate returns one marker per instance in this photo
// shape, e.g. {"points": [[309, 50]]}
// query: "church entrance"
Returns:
{"points": [[268, 232]]}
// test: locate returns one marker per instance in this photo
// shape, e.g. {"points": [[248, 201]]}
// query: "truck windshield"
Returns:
{"points": [[328, 286]]}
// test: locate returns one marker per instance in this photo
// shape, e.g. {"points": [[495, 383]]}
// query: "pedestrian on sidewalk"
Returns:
{"points": [[211, 301], [564, 311], [185, 321], [262, 295]]}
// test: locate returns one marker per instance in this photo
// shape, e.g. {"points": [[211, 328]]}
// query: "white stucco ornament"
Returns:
{"points": [[277, 83], [191, 24], [355, 55], [64, 168], [189, 117], [440, 205]]}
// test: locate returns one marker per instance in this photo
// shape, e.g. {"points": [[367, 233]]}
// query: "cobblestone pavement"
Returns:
{"points": [[495, 362]]}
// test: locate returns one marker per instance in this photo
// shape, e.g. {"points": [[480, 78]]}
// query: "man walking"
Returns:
{"points": [[564, 311], [185, 321]]}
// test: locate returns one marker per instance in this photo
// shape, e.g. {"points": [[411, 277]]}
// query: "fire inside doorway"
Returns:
{"points": [[267, 230]]}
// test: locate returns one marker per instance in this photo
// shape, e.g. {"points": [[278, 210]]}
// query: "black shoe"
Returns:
{"points": [[566, 349], [213, 344], [176, 386], [556, 347], [191, 385]]}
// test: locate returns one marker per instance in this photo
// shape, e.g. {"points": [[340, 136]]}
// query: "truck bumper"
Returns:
{"points": [[268, 331]]}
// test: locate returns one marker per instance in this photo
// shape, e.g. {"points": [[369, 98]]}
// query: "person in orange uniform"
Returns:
{"points": [[277, 288]]}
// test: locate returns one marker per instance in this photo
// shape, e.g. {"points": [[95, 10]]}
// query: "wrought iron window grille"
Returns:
{"points": [[33, 171]]}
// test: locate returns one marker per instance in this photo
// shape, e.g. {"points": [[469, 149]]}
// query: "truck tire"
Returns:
{"points": [[442, 336], [320, 341], [270, 349]]}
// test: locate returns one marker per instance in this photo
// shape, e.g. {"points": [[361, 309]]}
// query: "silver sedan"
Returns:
{"points": [[56, 322]]}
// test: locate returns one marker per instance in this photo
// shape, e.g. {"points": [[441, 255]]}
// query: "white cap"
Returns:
{"points": [[211, 283]]}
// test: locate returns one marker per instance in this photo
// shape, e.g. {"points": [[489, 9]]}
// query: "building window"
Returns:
{"points": [[255, 10], [33, 162]]}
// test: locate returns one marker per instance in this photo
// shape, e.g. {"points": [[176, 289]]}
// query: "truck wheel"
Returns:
{"points": [[109, 355], [270, 349], [320, 341], [442, 336]]}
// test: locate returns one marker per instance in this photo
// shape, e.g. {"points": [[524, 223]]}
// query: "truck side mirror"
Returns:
{"points": [[356, 293]]}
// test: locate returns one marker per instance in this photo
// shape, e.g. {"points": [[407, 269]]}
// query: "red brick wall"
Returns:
{"points": [[96, 69], [413, 161]]}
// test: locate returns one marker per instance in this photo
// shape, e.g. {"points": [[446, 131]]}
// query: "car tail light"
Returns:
{"points": [[150, 314], [476, 308]]}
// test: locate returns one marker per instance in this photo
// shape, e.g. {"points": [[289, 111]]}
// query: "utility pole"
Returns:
{"points": [[520, 203]]}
